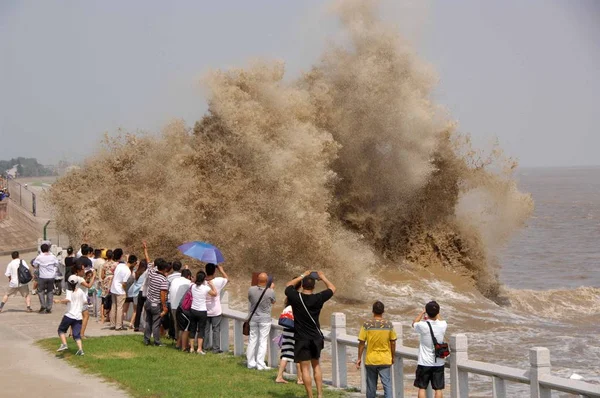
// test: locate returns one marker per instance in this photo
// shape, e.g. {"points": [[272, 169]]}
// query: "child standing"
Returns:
{"points": [[76, 300]]}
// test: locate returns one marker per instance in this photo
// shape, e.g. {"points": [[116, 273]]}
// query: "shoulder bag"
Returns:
{"points": [[246, 325], [441, 350]]}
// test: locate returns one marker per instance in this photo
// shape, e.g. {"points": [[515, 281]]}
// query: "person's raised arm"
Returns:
{"points": [[326, 281], [213, 291], [146, 251], [91, 282], [418, 318], [222, 271], [297, 279]]}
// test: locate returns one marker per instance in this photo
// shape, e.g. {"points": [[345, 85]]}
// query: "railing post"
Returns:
{"points": [[238, 338], [498, 387], [224, 344], [459, 380], [539, 360], [339, 373], [363, 374], [398, 367], [273, 348]]}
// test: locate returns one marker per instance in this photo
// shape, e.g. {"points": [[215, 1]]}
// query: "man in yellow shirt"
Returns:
{"points": [[380, 337]]}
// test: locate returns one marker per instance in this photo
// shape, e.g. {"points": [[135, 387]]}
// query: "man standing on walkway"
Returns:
{"points": [[177, 289], [260, 323], [47, 265], [380, 337], [14, 287], [118, 291], [309, 340], [156, 302], [213, 308], [430, 368]]}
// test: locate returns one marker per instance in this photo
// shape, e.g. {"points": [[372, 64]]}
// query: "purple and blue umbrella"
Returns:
{"points": [[202, 251]]}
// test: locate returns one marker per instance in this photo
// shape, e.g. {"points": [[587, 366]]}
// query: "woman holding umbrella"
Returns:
{"points": [[199, 291]]}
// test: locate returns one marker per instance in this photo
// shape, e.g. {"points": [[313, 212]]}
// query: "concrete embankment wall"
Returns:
{"points": [[19, 230], [3, 209]]}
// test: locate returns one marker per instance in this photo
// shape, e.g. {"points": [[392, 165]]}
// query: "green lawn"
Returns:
{"points": [[164, 372]]}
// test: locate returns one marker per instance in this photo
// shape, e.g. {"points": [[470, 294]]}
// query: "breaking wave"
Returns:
{"points": [[349, 167]]}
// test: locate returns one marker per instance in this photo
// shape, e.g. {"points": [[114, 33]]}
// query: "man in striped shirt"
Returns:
{"points": [[156, 300]]}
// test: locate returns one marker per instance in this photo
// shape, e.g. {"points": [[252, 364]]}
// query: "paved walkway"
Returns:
{"points": [[30, 371]]}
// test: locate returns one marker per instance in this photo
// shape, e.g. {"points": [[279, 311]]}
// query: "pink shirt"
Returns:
{"points": [[213, 304]]}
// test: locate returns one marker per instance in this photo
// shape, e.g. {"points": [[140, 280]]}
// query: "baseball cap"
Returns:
{"points": [[73, 279], [432, 308]]}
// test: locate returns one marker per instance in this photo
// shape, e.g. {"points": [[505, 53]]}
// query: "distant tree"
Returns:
{"points": [[26, 167]]}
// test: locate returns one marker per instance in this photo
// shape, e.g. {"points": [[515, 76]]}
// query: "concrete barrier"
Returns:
{"points": [[24, 219]]}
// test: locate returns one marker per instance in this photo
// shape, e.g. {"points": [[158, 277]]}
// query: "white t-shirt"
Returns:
{"points": [[80, 286], [122, 273], [178, 288], [213, 303], [77, 301], [47, 264], [199, 294], [426, 352], [12, 270]]}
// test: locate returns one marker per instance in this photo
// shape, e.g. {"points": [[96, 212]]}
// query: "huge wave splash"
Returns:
{"points": [[347, 168]]}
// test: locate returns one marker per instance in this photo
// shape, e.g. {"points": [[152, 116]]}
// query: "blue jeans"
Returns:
{"points": [[384, 373]]}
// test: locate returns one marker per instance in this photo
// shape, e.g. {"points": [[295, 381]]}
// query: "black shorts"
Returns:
{"points": [[107, 302], [129, 300], [425, 374], [305, 350], [183, 320]]}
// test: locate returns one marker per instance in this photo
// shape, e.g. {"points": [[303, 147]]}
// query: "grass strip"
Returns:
{"points": [[164, 372]]}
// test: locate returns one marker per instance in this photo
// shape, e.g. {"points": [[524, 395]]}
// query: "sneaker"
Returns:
{"points": [[80, 353], [48, 311], [63, 347], [262, 367], [146, 343], [42, 310], [200, 352], [159, 345], [29, 309]]}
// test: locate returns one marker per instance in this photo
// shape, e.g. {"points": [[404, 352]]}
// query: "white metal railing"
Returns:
{"points": [[538, 376]]}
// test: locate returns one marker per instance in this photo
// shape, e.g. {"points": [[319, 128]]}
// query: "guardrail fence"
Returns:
{"points": [[21, 195], [538, 376]]}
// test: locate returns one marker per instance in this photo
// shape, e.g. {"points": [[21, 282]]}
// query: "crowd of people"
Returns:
{"points": [[157, 290]]}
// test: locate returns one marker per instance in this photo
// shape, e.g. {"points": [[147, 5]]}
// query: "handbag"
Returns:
{"points": [[278, 340], [441, 350], [312, 319], [246, 325], [186, 300], [286, 319]]}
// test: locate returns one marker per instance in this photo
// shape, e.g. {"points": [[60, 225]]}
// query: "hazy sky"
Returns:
{"points": [[526, 72]]}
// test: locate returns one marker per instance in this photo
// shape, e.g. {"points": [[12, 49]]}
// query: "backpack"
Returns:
{"points": [[186, 301], [24, 274]]}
